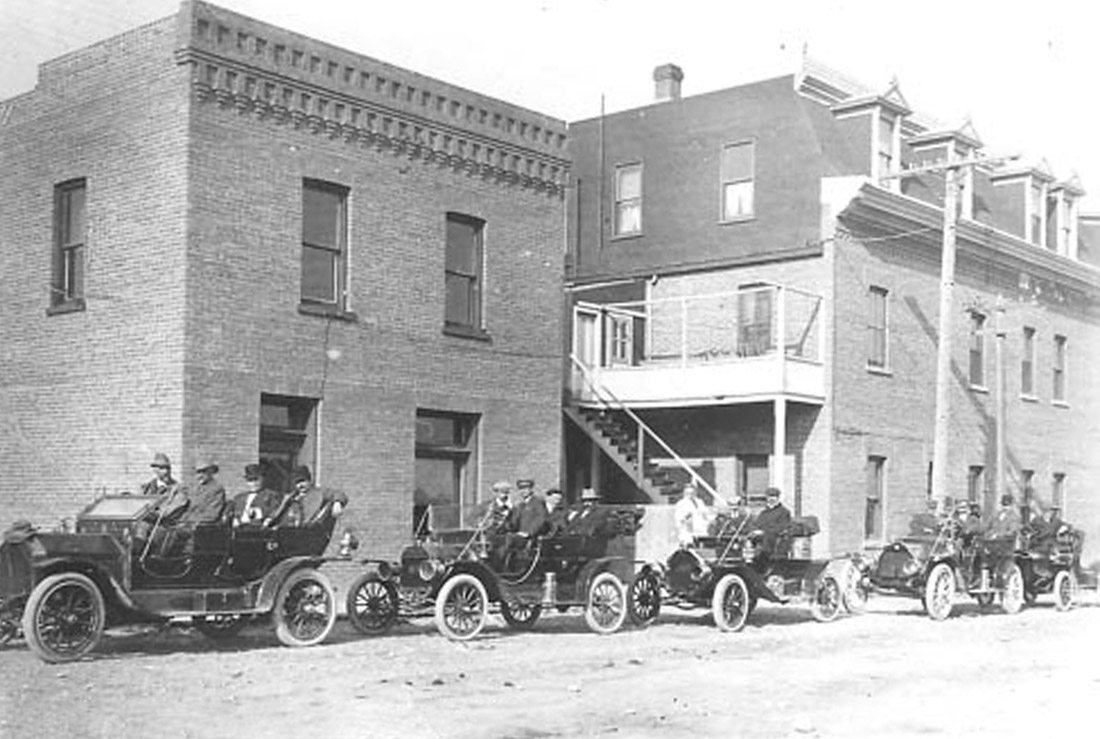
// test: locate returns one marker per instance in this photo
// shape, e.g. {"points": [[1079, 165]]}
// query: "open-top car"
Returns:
{"points": [[950, 556], [729, 572], [1050, 559], [63, 588], [459, 574]]}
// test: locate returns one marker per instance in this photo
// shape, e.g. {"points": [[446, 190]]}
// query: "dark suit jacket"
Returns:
{"points": [[528, 516]]}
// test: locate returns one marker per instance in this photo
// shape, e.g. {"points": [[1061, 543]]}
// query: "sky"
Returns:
{"points": [[1020, 72]]}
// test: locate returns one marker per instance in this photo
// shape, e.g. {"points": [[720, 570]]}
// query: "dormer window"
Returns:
{"points": [[884, 114], [1036, 213], [886, 147]]}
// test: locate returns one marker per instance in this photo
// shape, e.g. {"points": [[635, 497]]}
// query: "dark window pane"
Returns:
{"points": [[74, 273], [321, 216], [462, 246], [737, 162], [459, 300], [74, 216], [319, 274]]}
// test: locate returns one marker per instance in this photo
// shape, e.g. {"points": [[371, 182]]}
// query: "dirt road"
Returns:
{"points": [[891, 672]]}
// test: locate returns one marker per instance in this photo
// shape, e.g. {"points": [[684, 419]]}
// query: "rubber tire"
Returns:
{"points": [[829, 591], [939, 592], [475, 610], [286, 629], [644, 599], [731, 585], [1065, 590], [219, 627], [523, 618], [1012, 597], [372, 611], [40, 598], [605, 607]]}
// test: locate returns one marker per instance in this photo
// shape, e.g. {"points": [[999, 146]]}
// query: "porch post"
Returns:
{"points": [[779, 447]]}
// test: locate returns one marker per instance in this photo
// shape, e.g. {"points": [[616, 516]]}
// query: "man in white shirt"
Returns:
{"points": [[692, 514]]}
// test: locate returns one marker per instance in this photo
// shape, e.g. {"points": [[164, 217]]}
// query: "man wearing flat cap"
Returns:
{"points": [[495, 513], [208, 497], [771, 522], [529, 514]]}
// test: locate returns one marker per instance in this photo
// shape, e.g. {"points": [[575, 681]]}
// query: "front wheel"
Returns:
{"points": [[219, 626], [855, 590], [372, 604], [1012, 599], [519, 615], [64, 617], [461, 608], [605, 610], [644, 603], [1065, 590], [827, 600], [305, 609], [939, 592], [731, 603]]}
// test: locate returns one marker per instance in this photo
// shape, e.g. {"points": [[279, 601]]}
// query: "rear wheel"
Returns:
{"points": [[606, 608], [305, 609], [644, 599], [1065, 590], [219, 626], [520, 615], [1012, 599], [939, 592], [372, 604], [9, 620], [731, 603], [827, 600], [64, 617], [854, 589], [461, 608]]}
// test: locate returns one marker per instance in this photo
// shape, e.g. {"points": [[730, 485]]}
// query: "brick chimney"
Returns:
{"points": [[667, 78]]}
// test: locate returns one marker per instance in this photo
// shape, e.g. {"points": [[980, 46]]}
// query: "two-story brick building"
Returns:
{"points": [[755, 289], [220, 238]]}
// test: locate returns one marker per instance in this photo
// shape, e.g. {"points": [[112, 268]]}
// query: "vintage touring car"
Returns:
{"points": [[458, 574], [62, 588]]}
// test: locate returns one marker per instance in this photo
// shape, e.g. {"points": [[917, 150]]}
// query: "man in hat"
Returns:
{"points": [[556, 514], [588, 519], [529, 514], [162, 483], [257, 503], [307, 503], [771, 522], [495, 512], [1006, 521], [208, 497]]}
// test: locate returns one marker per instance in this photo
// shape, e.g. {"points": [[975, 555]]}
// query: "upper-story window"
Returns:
{"points": [[977, 349], [1036, 213], [628, 199], [1059, 369], [67, 283], [738, 173], [876, 327], [324, 244], [1027, 363], [463, 269], [884, 148]]}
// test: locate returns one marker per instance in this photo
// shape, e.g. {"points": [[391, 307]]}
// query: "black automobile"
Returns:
{"points": [[62, 588], [729, 572], [1050, 559], [458, 574], [948, 557]]}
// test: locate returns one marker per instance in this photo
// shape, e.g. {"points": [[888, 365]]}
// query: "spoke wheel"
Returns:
{"points": [[219, 626], [1012, 599], [854, 594], [730, 603], [644, 601], [305, 609], [827, 600], [939, 592], [64, 617], [605, 610], [520, 615], [9, 621], [1065, 590], [461, 608], [373, 604]]}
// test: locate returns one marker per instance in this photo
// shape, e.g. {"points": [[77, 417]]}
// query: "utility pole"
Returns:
{"points": [[999, 400]]}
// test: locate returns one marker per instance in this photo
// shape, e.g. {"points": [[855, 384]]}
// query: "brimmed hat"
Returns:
{"points": [[525, 484], [301, 474], [553, 491], [160, 459], [204, 464], [253, 472], [589, 494]]}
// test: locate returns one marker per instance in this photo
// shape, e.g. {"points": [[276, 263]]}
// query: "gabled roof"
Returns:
{"points": [[1039, 170], [964, 134]]}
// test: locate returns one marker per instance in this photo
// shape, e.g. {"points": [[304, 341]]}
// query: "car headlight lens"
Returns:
{"points": [[429, 568], [911, 567]]}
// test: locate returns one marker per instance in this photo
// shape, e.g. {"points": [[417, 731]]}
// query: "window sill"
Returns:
{"points": [[627, 236], [980, 389], [327, 311], [1029, 398], [466, 332], [884, 371], [1060, 403], [738, 219], [75, 305]]}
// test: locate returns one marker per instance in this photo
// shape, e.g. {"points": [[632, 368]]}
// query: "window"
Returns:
{"points": [[755, 334], [738, 166], [876, 327], [975, 483], [874, 510], [1027, 478], [1058, 491], [620, 339], [628, 199], [67, 285], [1027, 363], [977, 349], [1060, 369], [754, 477], [463, 272], [324, 244], [885, 147], [1036, 206], [288, 437], [446, 456]]}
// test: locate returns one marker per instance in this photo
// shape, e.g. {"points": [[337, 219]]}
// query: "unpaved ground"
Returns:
{"points": [[889, 673]]}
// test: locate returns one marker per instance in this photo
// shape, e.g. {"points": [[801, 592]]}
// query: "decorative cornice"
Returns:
{"points": [[282, 101]]}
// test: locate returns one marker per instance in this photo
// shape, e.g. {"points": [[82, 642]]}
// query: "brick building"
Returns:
{"points": [[755, 291], [218, 237]]}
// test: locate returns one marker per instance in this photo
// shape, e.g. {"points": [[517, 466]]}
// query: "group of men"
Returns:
{"points": [[695, 517], [178, 508], [533, 516]]}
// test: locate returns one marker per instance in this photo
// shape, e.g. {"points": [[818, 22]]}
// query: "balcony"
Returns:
{"points": [[754, 344]]}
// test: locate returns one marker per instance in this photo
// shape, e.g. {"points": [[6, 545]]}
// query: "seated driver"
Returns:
{"points": [[1006, 521], [307, 503], [771, 522]]}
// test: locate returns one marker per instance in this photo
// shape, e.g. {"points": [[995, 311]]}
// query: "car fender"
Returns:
{"points": [[113, 591], [469, 567], [274, 579]]}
